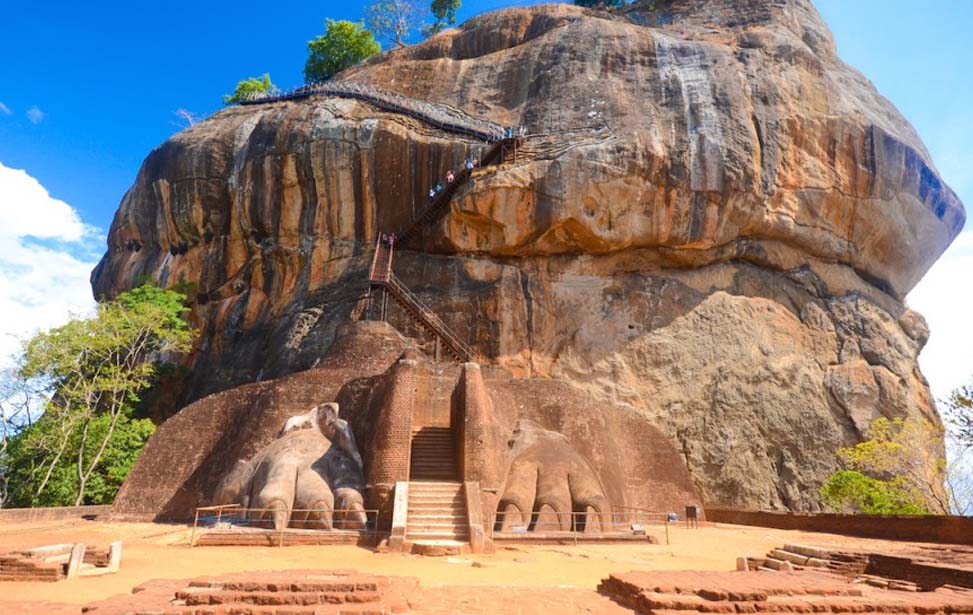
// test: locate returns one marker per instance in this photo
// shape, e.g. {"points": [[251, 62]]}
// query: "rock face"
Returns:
{"points": [[713, 222]]}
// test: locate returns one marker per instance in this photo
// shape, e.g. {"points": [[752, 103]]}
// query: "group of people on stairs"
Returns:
{"points": [[471, 163]]}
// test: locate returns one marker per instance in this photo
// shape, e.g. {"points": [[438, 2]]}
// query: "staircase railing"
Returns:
{"points": [[494, 155], [428, 319], [436, 115]]}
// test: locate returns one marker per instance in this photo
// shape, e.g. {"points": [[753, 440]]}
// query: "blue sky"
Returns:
{"points": [[108, 76], [89, 88]]}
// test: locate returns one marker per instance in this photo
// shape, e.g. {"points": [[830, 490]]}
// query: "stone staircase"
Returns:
{"points": [[437, 513], [433, 455]]}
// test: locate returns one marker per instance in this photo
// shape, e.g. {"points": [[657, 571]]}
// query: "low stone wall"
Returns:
{"points": [[55, 513], [927, 575], [942, 529]]}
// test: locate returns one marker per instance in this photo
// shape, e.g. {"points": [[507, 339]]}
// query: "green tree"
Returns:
{"points": [[250, 88], [851, 491], [95, 370], [958, 410], [445, 13], [27, 461], [899, 469], [394, 20], [343, 44]]}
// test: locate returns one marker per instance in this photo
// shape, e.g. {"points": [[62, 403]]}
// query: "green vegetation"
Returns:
{"points": [[87, 378], [445, 13], [899, 470], [250, 88], [852, 491], [958, 410], [344, 44]]}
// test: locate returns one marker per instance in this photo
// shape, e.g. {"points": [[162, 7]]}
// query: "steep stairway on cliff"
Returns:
{"points": [[500, 151], [383, 283], [433, 455], [437, 512]]}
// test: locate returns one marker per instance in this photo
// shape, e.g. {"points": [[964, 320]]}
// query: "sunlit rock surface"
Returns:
{"points": [[714, 222]]}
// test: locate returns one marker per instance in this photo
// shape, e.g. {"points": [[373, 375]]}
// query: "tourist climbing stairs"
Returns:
{"points": [[501, 151]]}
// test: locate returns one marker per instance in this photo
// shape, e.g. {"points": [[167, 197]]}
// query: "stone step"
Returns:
{"points": [[439, 528], [436, 485], [787, 556], [777, 564], [444, 470], [425, 515], [425, 535], [445, 499], [421, 475], [808, 551]]}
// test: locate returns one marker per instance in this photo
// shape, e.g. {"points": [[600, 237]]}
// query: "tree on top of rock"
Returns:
{"points": [[395, 20], [445, 13], [343, 44], [251, 88]]}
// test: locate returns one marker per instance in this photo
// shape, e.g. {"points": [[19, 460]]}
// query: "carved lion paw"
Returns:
{"points": [[300, 479], [549, 480]]}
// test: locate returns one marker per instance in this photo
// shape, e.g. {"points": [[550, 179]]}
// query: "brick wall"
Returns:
{"points": [[943, 529], [392, 437], [55, 513], [926, 575]]}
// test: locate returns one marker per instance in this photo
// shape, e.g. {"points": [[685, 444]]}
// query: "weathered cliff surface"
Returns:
{"points": [[714, 223]]}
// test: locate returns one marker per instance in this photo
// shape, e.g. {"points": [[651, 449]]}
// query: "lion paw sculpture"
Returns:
{"points": [[309, 477], [550, 486]]}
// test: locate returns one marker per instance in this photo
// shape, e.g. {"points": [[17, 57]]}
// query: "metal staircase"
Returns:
{"points": [[499, 152], [383, 283]]}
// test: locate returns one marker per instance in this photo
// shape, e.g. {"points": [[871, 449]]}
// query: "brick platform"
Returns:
{"points": [[259, 537], [671, 592], [335, 592], [341, 592]]}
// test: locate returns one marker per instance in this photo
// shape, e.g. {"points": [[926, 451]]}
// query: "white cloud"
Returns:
{"points": [[945, 297], [35, 115], [4, 109], [46, 256]]}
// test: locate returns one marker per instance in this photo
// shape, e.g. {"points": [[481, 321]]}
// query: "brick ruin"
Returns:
{"points": [[536, 453]]}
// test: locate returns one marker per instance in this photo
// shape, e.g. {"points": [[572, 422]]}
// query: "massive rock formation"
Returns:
{"points": [[714, 223]]}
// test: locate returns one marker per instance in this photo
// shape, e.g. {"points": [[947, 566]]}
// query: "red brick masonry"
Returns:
{"points": [[941, 529]]}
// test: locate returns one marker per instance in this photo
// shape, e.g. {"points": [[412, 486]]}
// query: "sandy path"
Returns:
{"points": [[154, 551]]}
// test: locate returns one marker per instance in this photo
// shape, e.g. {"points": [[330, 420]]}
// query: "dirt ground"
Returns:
{"points": [[156, 551]]}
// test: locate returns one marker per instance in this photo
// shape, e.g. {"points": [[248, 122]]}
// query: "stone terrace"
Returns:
{"points": [[685, 592]]}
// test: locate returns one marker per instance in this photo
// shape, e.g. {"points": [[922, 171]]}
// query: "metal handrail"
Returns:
{"points": [[616, 521], [381, 261], [237, 515], [439, 116], [446, 196], [432, 321]]}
